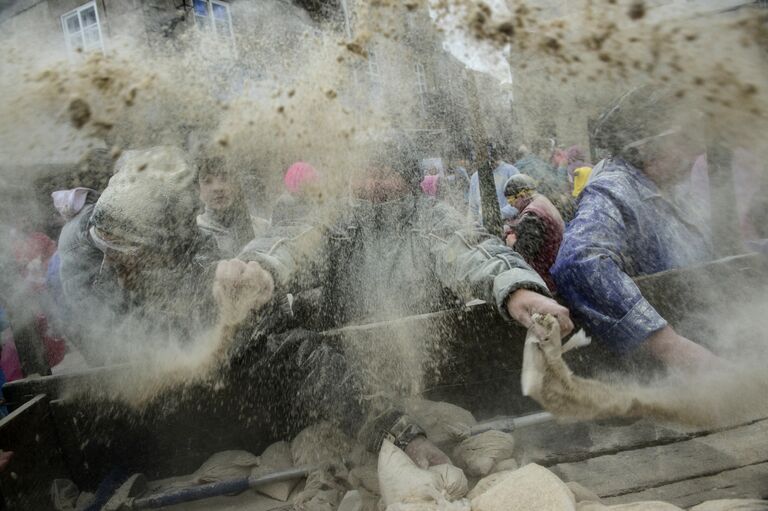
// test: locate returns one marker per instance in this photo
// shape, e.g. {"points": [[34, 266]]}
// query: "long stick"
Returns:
{"points": [[510, 424], [216, 489]]}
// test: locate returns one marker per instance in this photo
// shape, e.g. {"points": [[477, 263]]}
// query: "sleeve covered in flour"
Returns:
{"points": [[475, 264], [590, 273], [295, 263]]}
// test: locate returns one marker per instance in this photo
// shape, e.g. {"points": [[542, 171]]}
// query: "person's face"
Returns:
{"points": [[131, 263], [217, 191], [379, 185], [520, 199], [138, 271]]}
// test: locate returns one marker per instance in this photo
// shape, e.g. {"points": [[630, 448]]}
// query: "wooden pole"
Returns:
{"points": [[726, 233], [489, 200], [485, 162]]}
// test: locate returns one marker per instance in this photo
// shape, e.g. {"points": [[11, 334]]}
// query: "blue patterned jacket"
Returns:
{"points": [[624, 227]]}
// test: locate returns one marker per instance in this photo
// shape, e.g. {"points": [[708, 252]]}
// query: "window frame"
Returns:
{"points": [[373, 69], [422, 86], [211, 19], [68, 35]]}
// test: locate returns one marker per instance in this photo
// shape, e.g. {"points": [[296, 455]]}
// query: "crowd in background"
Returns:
{"points": [[586, 231]]}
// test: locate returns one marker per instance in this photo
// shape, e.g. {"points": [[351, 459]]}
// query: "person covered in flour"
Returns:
{"points": [[629, 224], [537, 230], [226, 215], [142, 263], [387, 254]]}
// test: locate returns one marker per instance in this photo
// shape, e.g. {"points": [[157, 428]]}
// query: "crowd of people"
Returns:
{"points": [[406, 237]]}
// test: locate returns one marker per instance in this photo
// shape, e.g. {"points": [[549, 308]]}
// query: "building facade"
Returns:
{"points": [[420, 85]]}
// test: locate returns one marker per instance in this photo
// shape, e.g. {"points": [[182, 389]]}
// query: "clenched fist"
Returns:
{"points": [[239, 288]]}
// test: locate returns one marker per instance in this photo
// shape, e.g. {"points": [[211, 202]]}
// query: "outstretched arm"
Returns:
{"points": [[295, 263], [475, 264]]}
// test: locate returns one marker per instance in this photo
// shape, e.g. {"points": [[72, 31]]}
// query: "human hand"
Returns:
{"points": [[522, 304], [679, 352], [239, 288], [511, 240], [424, 453]]}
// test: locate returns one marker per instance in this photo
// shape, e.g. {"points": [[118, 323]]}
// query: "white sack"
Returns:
{"points": [[275, 458], [480, 453], [486, 483], [225, 465], [351, 501], [534, 366], [438, 419], [401, 481], [451, 480], [319, 443], [531, 487]]}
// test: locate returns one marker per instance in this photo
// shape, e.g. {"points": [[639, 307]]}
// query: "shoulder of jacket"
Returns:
{"points": [[614, 180]]}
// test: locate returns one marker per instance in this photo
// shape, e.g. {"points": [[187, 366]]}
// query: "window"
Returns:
{"points": [[421, 83], [82, 30], [214, 16], [374, 74], [421, 78]]}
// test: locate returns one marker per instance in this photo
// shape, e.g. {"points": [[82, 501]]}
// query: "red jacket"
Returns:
{"points": [[539, 229]]}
